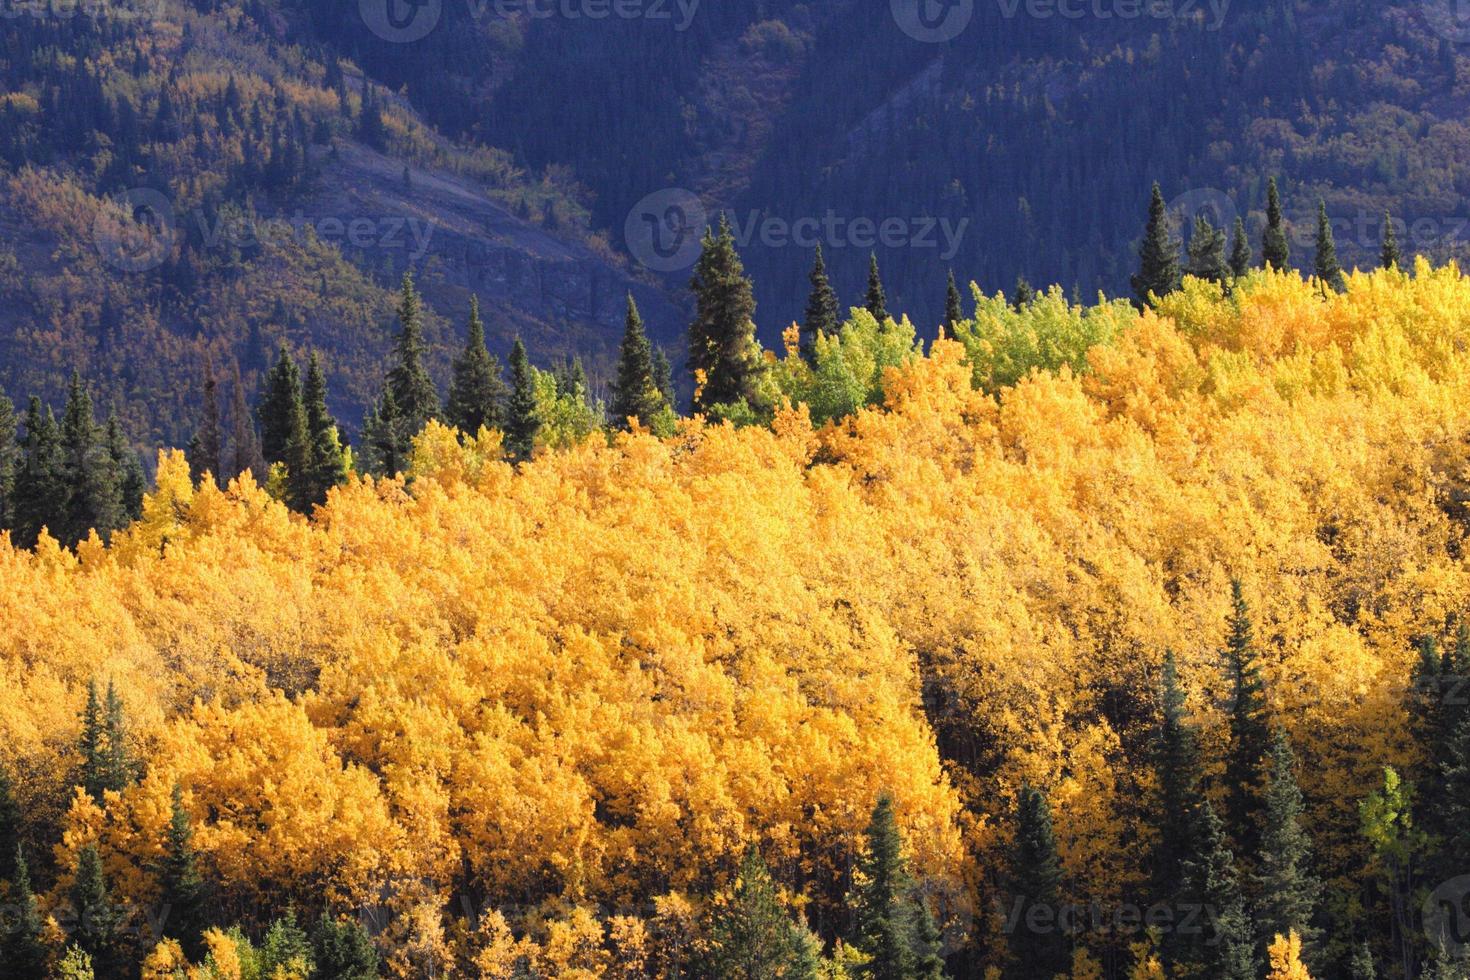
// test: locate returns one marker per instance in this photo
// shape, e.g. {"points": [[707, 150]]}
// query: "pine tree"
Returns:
{"points": [[22, 941], [1158, 256], [386, 439], [132, 483], [206, 449], [752, 937], [1035, 882], [40, 486], [663, 375], [1250, 732], [286, 947], [94, 491], [1274, 248], [298, 456], [1220, 947], [822, 313], [342, 951], [97, 919], [181, 886], [635, 393], [522, 424], [1325, 266], [93, 745], [1288, 891], [327, 462], [1206, 256], [1240, 250], [1177, 768], [875, 301], [1361, 966], [413, 389], [280, 405], [10, 458], [119, 767], [883, 912], [1389, 257], [723, 354], [953, 308], [244, 443], [1449, 812], [477, 392], [928, 945], [1024, 295]]}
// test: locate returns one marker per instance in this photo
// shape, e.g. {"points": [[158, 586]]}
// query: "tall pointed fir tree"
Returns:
{"points": [[23, 941], [635, 392], [822, 315], [385, 437], [1206, 254], [413, 389], [663, 376], [94, 492], [1240, 250], [342, 950], [180, 883], [522, 424], [206, 448], [92, 745], [10, 457], [953, 307], [1250, 731], [724, 357], [131, 482], [1158, 255], [97, 918], [1388, 256], [298, 457], [1177, 771], [1361, 967], [477, 392], [752, 937], [244, 441], [1220, 945], [119, 768], [326, 464], [40, 485], [1275, 251], [1035, 882], [885, 913], [875, 300], [1324, 265], [1287, 891], [279, 406]]}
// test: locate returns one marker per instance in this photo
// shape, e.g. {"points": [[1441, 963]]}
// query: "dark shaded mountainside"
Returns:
{"points": [[508, 149]]}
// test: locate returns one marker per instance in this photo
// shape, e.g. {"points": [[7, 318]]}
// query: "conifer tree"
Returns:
{"points": [[132, 483], [1361, 967], [752, 937], [883, 910], [280, 406], [1240, 250], [635, 393], [822, 315], [181, 886], [119, 767], [1288, 891], [93, 745], [10, 458], [386, 440], [413, 389], [1389, 257], [244, 442], [298, 457], [1325, 266], [22, 941], [327, 463], [875, 300], [1024, 295], [206, 449], [724, 357], [477, 392], [1176, 765], [1035, 882], [1451, 810], [94, 492], [522, 423], [342, 950], [97, 919], [1275, 251], [286, 948], [1250, 733], [1220, 946], [1206, 255], [663, 375], [953, 308], [40, 486], [1158, 255], [928, 945]]}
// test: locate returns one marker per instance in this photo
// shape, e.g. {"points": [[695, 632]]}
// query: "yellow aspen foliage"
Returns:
{"points": [[1285, 956]]}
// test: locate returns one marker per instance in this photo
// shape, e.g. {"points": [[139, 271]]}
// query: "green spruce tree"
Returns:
{"points": [[1250, 731], [883, 908], [327, 464], [1324, 265], [875, 300], [1023, 295], [40, 486], [1274, 248], [1219, 945], [120, 769], [1361, 967], [635, 392], [1287, 890], [1035, 884], [752, 937], [180, 883], [1158, 255], [1389, 257], [298, 457], [1177, 771], [92, 745], [953, 308], [342, 950], [96, 918], [663, 376], [522, 423], [279, 406], [822, 313], [22, 941], [94, 490], [413, 389], [1240, 250], [386, 440], [724, 357], [477, 392], [1206, 255]]}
